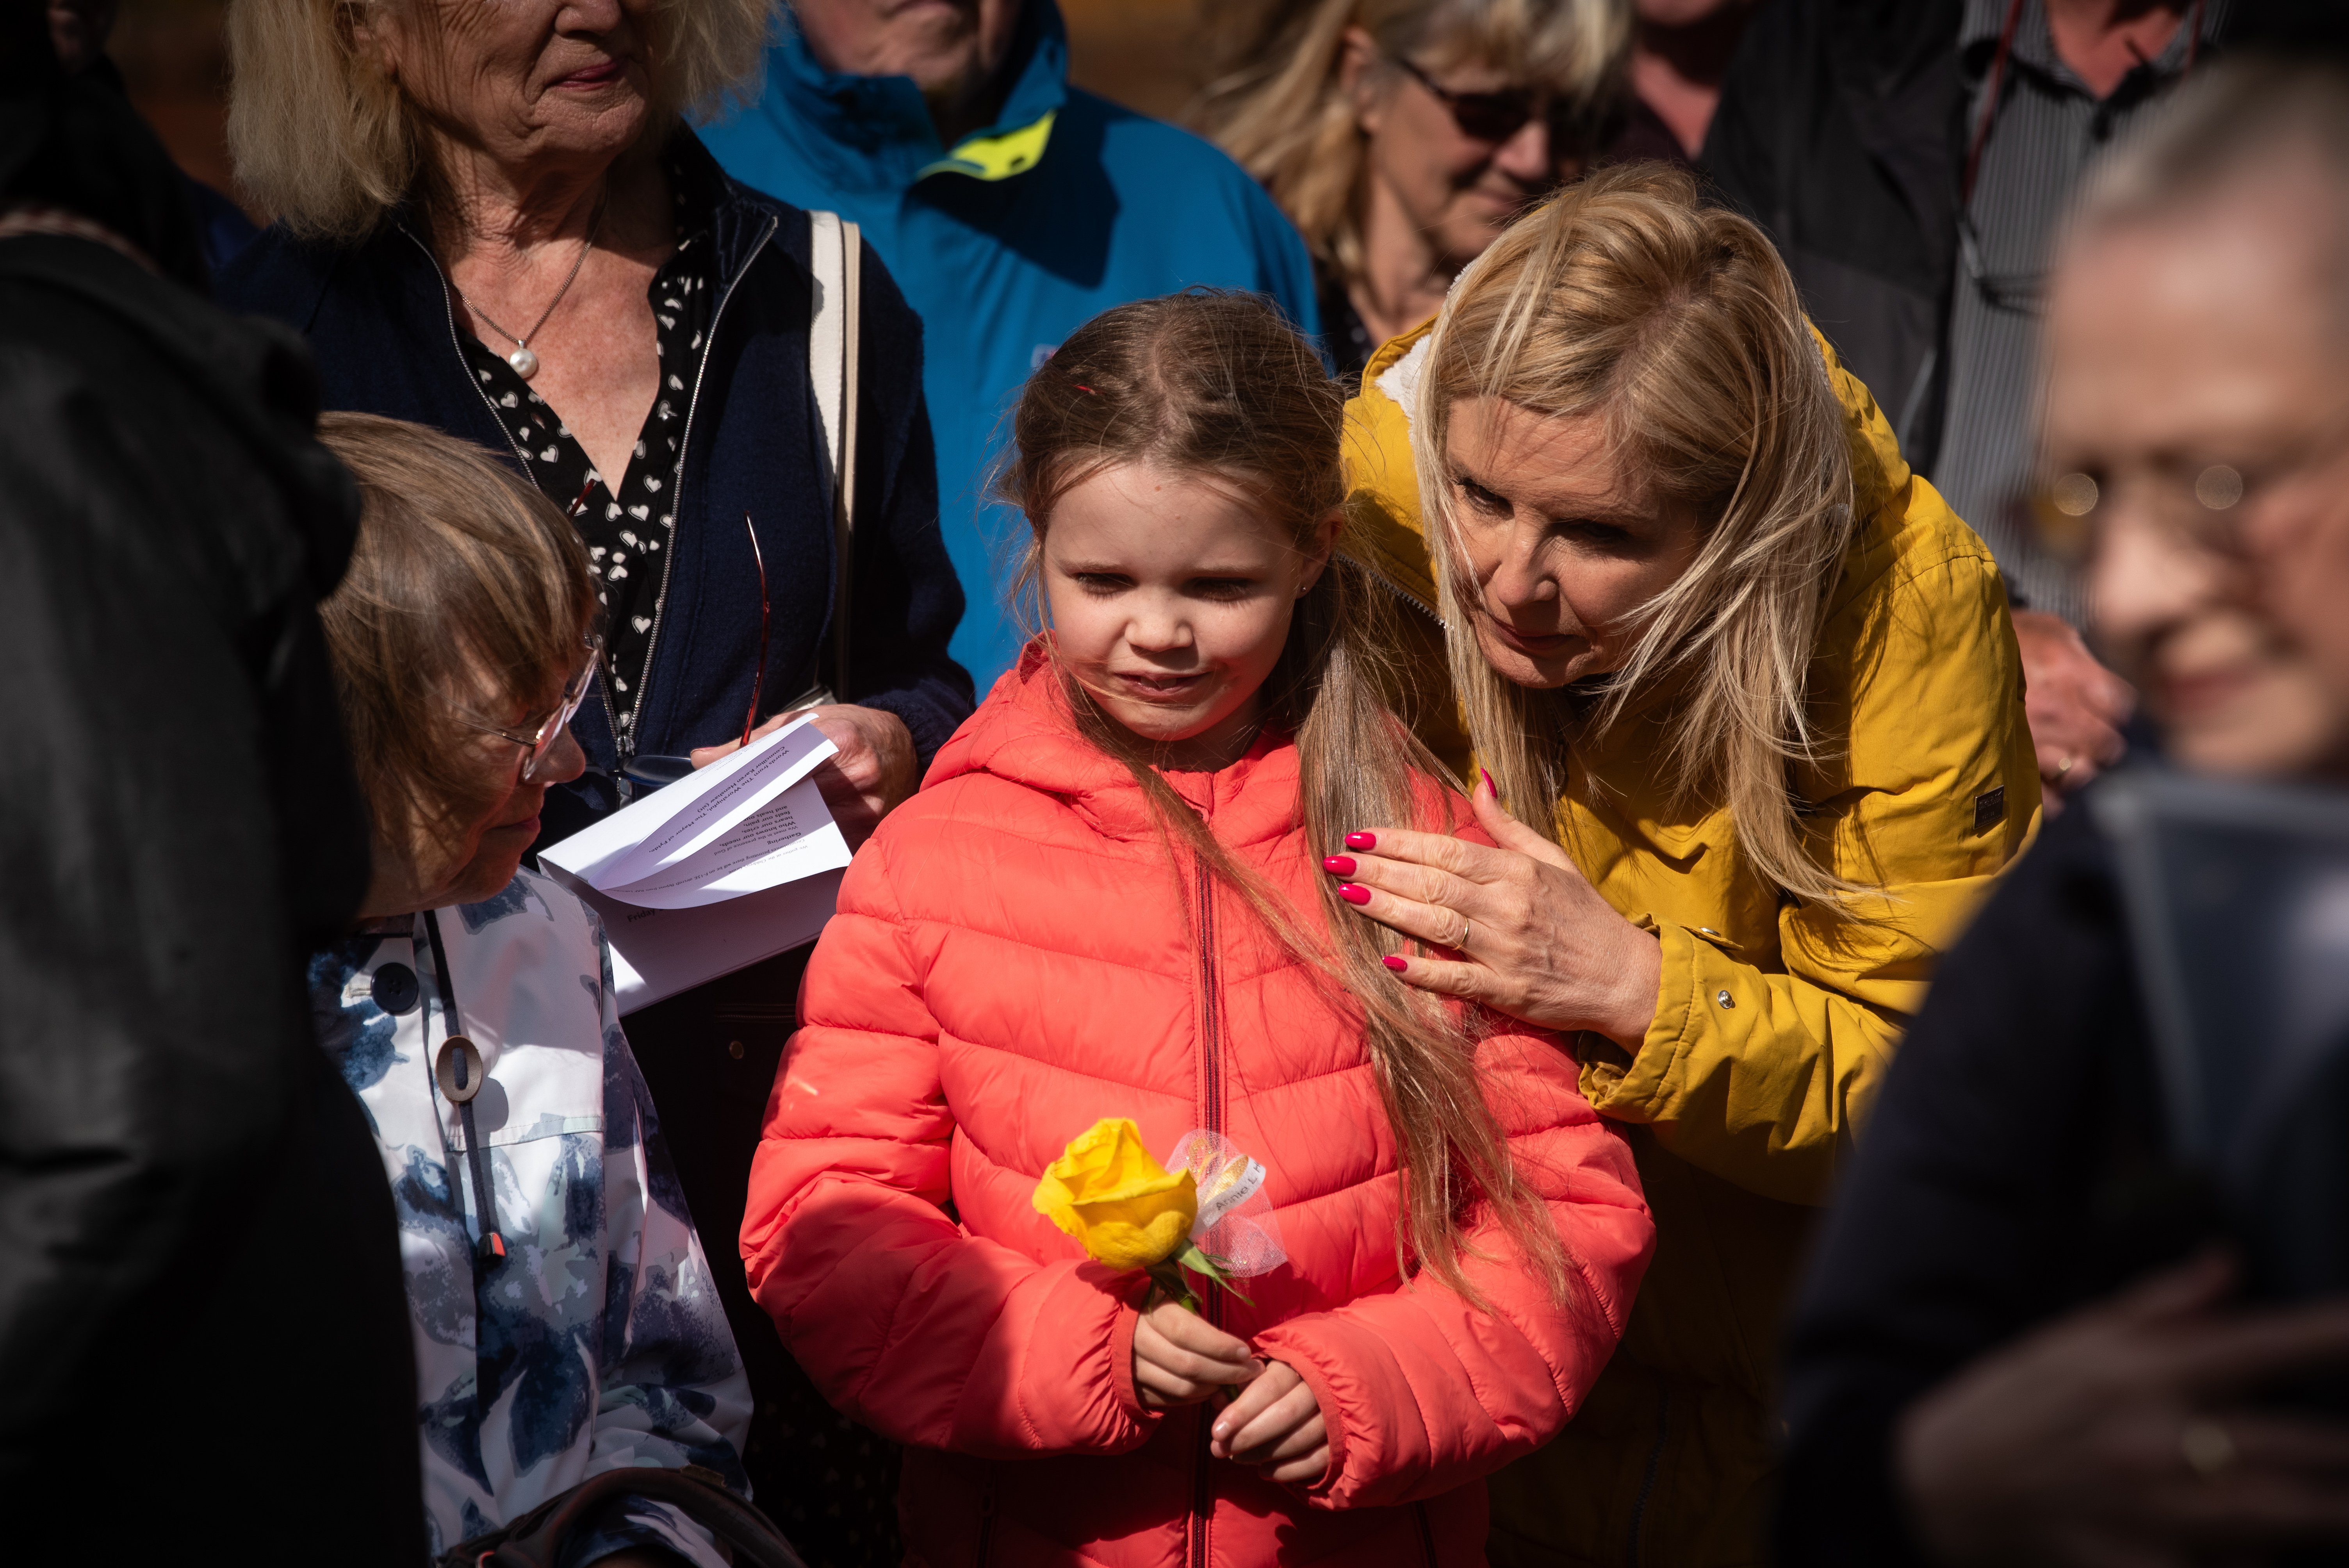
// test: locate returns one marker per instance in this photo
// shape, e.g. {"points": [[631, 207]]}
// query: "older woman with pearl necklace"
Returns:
{"points": [[492, 219]]}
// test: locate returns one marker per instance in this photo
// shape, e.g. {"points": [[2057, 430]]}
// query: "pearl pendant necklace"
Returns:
{"points": [[526, 362]]}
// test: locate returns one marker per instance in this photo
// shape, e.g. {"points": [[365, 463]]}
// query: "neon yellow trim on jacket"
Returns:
{"points": [[997, 157]]}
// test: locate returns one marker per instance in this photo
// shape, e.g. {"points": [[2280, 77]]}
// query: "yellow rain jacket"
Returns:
{"points": [[1773, 1022]]}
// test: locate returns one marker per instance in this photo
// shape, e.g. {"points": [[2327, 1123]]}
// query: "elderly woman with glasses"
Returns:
{"points": [[1401, 136], [565, 1320], [493, 219]]}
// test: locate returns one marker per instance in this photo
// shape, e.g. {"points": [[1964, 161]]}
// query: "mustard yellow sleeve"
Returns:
{"points": [[1759, 1073]]}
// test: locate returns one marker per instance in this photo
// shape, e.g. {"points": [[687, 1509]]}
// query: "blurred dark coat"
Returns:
{"points": [[2015, 1168], [196, 1227], [1841, 131]]}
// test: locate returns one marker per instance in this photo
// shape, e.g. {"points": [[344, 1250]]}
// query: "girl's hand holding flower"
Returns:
{"points": [[1181, 1358], [1276, 1425]]}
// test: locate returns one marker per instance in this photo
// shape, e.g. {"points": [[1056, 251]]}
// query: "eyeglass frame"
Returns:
{"points": [[538, 743], [2212, 527], [1538, 103]]}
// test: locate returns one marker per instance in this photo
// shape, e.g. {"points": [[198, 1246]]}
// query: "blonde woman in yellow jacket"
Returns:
{"points": [[1748, 689]]}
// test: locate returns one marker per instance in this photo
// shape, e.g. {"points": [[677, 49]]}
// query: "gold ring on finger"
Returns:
{"points": [[1462, 945], [2210, 1452]]}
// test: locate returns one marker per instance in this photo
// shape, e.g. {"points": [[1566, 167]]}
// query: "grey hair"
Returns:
{"points": [[2244, 115]]}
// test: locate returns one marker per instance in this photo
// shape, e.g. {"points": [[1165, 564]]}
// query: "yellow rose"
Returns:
{"points": [[1121, 1205]]}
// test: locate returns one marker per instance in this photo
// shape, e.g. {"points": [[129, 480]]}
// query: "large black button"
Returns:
{"points": [[395, 988]]}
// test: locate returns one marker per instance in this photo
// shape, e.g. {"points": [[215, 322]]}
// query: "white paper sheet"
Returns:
{"points": [[658, 952], [739, 861]]}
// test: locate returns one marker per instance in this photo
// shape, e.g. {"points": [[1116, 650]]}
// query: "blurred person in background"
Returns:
{"points": [[493, 220], [199, 1237], [2000, 1358], [1757, 714], [1680, 51], [79, 29], [1009, 206], [1911, 162], [1401, 136]]}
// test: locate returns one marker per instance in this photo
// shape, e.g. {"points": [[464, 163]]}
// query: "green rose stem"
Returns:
{"points": [[1168, 1274]]}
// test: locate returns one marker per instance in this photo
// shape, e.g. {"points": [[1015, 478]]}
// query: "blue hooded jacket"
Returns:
{"points": [[1007, 242]]}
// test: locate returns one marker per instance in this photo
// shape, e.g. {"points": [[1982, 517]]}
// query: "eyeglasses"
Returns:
{"points": [[1487, 117], [539, 741], [2209, 506]]}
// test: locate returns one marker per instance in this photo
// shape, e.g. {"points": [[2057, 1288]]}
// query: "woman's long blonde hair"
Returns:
{"points": [[1218, 386], [1284, 113], [1629, 298], [327, 144]]}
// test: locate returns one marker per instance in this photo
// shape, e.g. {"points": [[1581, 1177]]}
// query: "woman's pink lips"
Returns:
{"points": [[594, 76], [1548, 643], [2185, 694]]}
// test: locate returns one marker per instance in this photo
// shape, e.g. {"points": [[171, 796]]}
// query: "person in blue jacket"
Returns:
{"points": [[1010, 208]]}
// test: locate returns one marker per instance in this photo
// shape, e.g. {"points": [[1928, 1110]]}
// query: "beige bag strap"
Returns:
{"points": [[835, 338]]}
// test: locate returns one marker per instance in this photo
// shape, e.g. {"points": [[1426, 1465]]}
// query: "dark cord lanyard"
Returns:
{"points": [[1998, 81], [460, 1072]]}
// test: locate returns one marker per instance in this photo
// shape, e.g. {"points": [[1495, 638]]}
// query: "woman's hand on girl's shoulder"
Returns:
{"points": [[1276, 1425], [1532, 938], [1181, 1358]]}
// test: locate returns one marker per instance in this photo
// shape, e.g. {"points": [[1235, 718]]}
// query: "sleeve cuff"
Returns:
{"points": [[1636, 1089], [1120, 1364]]}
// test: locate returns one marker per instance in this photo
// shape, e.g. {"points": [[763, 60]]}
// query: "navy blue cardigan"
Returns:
{"points": [[380, 320]]}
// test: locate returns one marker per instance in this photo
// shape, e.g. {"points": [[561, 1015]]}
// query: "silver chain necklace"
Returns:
{"points": [[524, 361]]}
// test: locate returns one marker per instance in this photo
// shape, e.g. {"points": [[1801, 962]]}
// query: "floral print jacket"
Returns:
{"points": [[598, 1337]]}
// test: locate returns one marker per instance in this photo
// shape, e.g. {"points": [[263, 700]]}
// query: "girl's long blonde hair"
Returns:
{"points": [[1284, 113], [1629, 298], [1219, 386]]}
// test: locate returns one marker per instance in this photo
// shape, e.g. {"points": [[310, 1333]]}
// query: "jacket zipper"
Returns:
{"points": [[986, 1522], [676, 494], [1391, 586], [1426, 1533], [1203, 1488]]}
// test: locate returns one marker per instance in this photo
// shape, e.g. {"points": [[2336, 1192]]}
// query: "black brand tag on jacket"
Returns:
{"points": [[1990, 809]]}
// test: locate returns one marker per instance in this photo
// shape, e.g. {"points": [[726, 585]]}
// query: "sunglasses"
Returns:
{"points": [[1486, 116], [538, 740]]}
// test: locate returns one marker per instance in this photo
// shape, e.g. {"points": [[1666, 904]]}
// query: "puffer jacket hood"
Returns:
{"points": [[1016, 956], [1774, 1021]]}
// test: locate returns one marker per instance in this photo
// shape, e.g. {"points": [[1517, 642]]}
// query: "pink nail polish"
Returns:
{"points": [[1353, 894], [1395, 964], [1361, 840], [1490, 788], [1338, 865]]}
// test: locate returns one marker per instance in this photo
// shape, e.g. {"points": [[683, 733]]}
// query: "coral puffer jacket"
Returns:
{"points": [[1014, 958]]}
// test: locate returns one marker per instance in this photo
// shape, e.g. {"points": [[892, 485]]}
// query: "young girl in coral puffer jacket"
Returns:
{"points": [[1110, 901]]}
